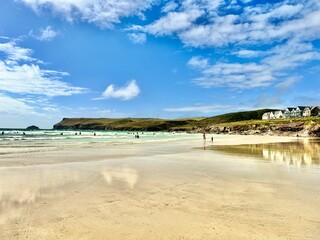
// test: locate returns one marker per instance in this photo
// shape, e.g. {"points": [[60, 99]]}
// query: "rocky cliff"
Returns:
{"points": [[301, 128]]}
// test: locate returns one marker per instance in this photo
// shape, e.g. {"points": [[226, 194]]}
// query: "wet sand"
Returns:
{"points": [[165, 190]]}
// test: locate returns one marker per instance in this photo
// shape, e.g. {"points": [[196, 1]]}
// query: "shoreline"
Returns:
{"points": [[100, 151]]}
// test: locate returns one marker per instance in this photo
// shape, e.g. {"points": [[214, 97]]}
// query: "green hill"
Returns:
{"points": [[234, 117], [133, 124], [156, 124]]}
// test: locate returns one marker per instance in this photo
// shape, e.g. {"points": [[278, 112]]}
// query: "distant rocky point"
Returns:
{"points": [[32, 127]]}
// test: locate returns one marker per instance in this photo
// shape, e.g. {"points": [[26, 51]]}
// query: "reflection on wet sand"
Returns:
{"points": [[123, 174], [291, 153], [23, 186]]}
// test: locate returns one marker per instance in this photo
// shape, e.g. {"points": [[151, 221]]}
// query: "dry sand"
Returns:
{"points": [[156, 191]]}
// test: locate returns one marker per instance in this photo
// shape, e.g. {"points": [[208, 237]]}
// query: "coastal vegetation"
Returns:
{"points": [[156, 124]]}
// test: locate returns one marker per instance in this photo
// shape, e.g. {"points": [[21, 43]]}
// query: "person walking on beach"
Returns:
{"points": [[204, 141], [211, 139]]}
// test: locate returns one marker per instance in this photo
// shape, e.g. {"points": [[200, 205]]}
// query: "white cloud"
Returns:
{"points": [[14, 105], [129, 91], [47, 34], [198, 62], [255, 23], [137, 38], [102, 13], [173, 22], [170, 6], [268, 101], [21, 74], [273, 68], [206, 109], [15, 53], [287, 84], [31, 79], [245, 53], [197, 108]]}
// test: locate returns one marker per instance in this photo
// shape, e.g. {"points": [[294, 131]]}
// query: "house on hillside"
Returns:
{"points": [[300, 110], [271, 115], [288, 112], [306, 111], [294, 113], [266, 116], [315, 111], [279, 114]]}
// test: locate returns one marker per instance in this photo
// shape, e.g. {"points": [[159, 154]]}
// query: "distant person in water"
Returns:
{"points": [[2, 133], [211, 139], [94, 134], [61, 133]]}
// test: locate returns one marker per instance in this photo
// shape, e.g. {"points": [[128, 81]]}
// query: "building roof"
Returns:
{"points": [[279, 111], [303, 107]]}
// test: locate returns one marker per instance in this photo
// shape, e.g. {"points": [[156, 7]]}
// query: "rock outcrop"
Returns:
{"points": [[32, 127], [300, 128]]}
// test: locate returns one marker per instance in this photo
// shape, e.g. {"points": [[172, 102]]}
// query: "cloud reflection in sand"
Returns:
{"points": [[123, 174], [23, 186]]}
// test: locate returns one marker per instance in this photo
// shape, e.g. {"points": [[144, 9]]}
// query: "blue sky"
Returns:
{"points": [[153, 58]]}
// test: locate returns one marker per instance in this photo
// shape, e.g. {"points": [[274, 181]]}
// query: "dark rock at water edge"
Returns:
{"points": [[32, 127]]}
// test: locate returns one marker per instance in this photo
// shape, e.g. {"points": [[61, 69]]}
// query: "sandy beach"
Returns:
{"points": [[157, 190]]}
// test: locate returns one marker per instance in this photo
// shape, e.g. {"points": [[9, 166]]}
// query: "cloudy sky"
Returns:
{"points": [[155, 58]]}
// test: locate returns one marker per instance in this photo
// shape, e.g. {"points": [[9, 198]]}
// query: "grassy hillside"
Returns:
{"points": [[234, 117], [145, 124], [156, 124], [305, 120]]}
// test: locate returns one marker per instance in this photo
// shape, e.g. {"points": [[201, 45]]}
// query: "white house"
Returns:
{"points": [[271, 116], [279, 114], [298, 111], [306, 112], [288, 112], [293, 113], [266, 116]]}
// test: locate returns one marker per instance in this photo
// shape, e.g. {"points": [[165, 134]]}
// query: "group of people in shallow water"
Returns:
{"points": [[23, 133], [135, 136]]}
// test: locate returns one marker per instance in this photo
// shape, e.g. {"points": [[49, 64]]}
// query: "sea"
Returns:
{"points": [[20, 140]]}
